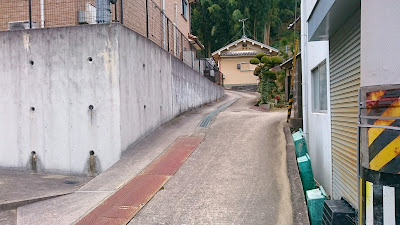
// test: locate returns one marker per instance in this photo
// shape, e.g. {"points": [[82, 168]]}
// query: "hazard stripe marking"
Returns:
{"points": [[382, 141], [397, 204], [373, 96], [393, 165], [364, 201], [384, 144], [373, 133], [393, 110], [369, 204], [378, 203], [389, 212], [375, 107], [360, 202], [386, 155], [379, 198], [290, 107]]}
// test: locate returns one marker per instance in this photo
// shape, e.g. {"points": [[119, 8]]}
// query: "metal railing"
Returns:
{"points": [[145, 17]]}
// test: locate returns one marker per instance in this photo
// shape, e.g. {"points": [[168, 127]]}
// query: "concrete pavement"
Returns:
{"points": [[237, 175], [18, 188], [69, 209], [21, 188]]}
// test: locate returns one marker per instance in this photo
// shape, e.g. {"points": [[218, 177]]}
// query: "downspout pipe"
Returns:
{"points": [[42, 13], [304, 71], [163, 21]]}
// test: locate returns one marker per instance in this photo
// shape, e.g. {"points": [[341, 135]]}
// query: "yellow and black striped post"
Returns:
{"points": [[292, 81], [379, 171]]}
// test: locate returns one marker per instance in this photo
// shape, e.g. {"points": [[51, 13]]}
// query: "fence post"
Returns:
{"points": [[122, 12], [147, 18], [191, 53], [182, 45], [30, 14], [168, 33], [116, 14]]}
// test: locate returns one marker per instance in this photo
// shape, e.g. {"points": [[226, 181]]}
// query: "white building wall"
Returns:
{"points": [[317, 126], [133, 85], [380, 34]]}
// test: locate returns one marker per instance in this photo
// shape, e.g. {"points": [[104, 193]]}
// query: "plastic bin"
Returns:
{"points": [[306, 174]]}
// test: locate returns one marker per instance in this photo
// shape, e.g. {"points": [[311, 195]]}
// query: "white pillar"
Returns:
{"points": [[163, 22], [304, 71], [175, 30], [42, 13]]}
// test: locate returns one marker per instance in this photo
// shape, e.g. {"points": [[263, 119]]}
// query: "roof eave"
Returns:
{"points": [[271, 49]]}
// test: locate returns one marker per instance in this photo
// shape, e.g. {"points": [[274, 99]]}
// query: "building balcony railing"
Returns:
{"points": [[142, 16]]}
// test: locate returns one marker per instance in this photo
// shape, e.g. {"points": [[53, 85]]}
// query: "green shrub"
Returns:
{"points": [[269, 75], [284, 41], [257, 71], [266, 59], [255, 61], [260, 55], [286, 56], [275, 60]]}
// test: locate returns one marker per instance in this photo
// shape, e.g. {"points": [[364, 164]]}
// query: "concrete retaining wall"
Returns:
{"points": [[133, 85]]}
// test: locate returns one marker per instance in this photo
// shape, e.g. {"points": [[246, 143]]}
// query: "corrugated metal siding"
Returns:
{"points": [[344, 58]]}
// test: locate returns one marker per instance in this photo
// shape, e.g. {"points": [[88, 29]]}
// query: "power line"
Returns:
{"points": [[232, 38], [250, 33], [243, 21]]}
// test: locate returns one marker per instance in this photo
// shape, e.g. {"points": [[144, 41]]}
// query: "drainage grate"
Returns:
{"points": [[205, 122], [70, 182]]}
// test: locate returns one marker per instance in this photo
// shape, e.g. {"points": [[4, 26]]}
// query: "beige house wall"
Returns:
{"points": [[234, 76]]}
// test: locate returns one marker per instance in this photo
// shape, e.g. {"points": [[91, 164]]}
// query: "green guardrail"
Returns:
{"points": [[306, 173], [299, 143], [315, 204]]}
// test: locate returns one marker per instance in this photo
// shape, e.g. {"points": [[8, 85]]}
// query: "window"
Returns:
{"points": [[319, 88], [245, 66], [184, 9]]}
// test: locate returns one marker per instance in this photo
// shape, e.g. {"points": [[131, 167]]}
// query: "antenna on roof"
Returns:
{"points": [[242, 21]]}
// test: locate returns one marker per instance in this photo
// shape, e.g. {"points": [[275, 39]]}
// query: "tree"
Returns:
{"points": [[216, 22], [268, 87]]}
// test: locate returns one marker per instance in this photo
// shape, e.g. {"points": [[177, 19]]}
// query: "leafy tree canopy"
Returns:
{"points": [[216, 22]]}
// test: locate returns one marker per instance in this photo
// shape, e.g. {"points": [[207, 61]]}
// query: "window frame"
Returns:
{"points": [[185, 9], [316, 91], [245, 70]]}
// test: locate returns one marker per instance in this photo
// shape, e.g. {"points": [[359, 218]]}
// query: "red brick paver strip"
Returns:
{"points": [[123, 205]]}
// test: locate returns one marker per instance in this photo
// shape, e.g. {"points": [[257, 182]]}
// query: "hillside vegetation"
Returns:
{"points": [[216, 22]]}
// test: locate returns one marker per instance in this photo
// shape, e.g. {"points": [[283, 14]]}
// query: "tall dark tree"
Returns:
{"points": [[216, 22]]}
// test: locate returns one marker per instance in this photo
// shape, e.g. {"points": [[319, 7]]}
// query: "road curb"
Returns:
{"points": [[16, 204], [300, 213]]}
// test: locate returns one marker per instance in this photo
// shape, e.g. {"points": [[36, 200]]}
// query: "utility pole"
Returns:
{"points": [[242, 21]]}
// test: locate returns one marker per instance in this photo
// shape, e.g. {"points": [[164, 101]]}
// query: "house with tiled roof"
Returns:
{"points": [[234, 61]]}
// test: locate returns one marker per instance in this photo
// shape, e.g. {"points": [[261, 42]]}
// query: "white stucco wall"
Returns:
{"points": [[126, 73], [155, 87], [380, 34], [317, 125], [60, 85]]}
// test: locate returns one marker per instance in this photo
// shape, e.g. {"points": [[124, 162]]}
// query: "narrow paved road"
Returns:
{"points": [[237, 175]]}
